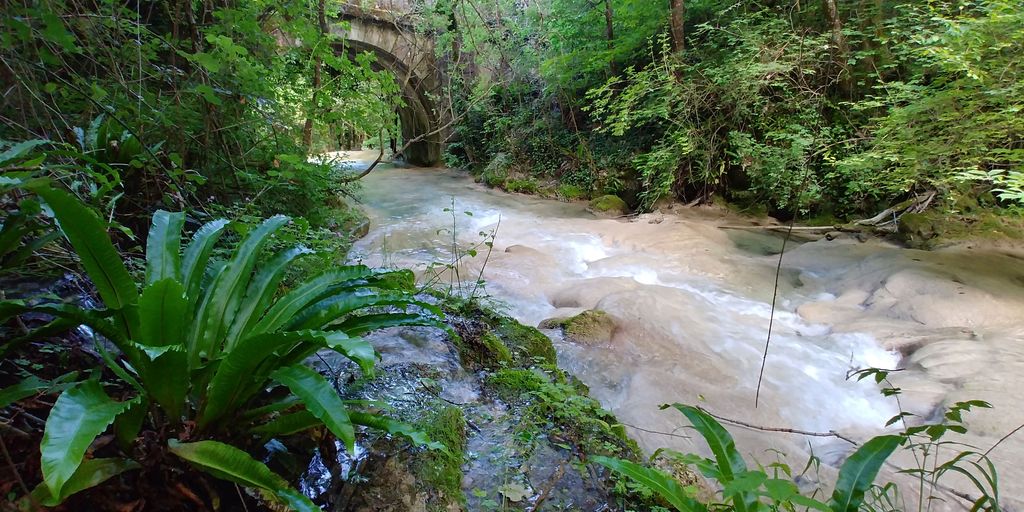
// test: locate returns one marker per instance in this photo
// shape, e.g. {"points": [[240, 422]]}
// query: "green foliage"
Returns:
{"points": [[202, 352], [525, 186], [958, 115], [763, 105], [234, 465], [854, 488], [136, 98], [660, 482], [744, 489], [571, 192]]}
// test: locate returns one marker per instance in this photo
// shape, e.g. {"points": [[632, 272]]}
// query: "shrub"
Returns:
{"points": [[204, 345]]}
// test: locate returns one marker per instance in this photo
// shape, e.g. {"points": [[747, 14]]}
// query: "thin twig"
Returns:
{"points": [[669, 434], [771, 318], [785, 430], [1001, 439], [17, 476]]}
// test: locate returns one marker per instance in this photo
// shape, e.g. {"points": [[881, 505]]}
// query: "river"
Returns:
{"points": [[691, 304]]}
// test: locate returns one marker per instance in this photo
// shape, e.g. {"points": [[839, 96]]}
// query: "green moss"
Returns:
{"points": [[916, 227], [571, 192], [526, 343], [443, 470], [524, 186], [591, 326], [512, 383], [496, 351], [609, 204]]}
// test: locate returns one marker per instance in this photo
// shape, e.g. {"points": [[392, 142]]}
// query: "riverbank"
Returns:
{"points": [[961, 222]]}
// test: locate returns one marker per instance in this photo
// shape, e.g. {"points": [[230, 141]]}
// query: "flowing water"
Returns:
{"points": [[691, 304]]}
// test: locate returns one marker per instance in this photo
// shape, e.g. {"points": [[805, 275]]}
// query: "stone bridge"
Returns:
{"points": [[387, 32]]}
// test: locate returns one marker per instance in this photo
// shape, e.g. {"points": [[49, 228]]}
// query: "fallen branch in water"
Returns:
{"points": [[794, 228], [886, 221]]}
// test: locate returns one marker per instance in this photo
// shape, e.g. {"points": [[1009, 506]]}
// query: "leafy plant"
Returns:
{"points": [[743, 489], [749, 490], [202, 343]]}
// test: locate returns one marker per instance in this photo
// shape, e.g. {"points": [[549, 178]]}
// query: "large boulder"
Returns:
{"points": [[591, 327], [608, 205]]}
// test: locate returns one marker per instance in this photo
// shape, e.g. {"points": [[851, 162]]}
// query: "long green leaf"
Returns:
{"points": [[197, 254], [163, 247], [162, 314], [89, 474], [220, 303], [358, 325], [296, 501], [320, 399], [234, 465], [20, 149], [288, 424], [729, 461], [261, 291], [166, 378], [243, 371], [285, 308], [88, 235], [660, 482], [859, 472], [722, 445], [27, 387], [395, 427], [358, 350], [79, 415], [332, 308]]}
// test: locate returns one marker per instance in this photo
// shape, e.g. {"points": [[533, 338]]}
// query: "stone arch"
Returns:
{"points": [[410, 59]]}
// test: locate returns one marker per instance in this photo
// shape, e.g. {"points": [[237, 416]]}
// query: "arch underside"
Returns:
{"points": [[417, 116]]}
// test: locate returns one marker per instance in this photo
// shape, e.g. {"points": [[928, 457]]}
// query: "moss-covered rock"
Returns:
{"points": [[590, 327], [916, 227], [497, 170], [439, 469], [526, 343], [609, 205]]}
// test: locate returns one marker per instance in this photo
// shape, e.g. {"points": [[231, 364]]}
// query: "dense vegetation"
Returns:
{"points": [[830, 107], [132, 356]]}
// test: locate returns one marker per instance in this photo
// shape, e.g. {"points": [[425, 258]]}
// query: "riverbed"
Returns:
{"points": [[692, 303]]}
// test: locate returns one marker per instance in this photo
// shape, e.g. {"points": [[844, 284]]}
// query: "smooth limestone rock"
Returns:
{"points": [[609, 205], [590, 327]]}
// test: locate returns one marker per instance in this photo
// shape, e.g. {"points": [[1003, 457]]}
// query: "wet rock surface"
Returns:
{"points": [[512, 449]]}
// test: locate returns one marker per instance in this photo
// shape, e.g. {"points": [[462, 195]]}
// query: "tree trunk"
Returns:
{"points": [[840, 48], [307, 129], [609, 33], [677, 10]]}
